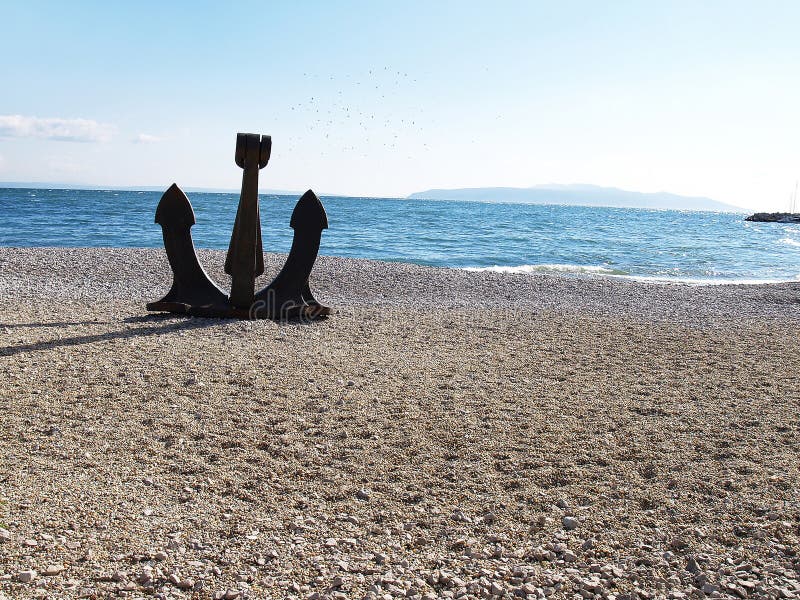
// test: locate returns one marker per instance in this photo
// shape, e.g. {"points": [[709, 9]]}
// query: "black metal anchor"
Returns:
{"points": [[193, 291]]}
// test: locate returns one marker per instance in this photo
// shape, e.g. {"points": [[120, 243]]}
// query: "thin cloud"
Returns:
{"points": [[146, 138], [63, 130]]}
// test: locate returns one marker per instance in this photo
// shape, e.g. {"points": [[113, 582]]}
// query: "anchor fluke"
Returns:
{"points": [[191, 286], [309, 213], [174, 209], [289, 295]]}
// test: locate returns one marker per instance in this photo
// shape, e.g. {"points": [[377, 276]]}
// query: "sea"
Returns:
{"points": [[655, 245]]}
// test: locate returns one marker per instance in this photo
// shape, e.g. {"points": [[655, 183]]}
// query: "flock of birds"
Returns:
{"points": [[379, 111]]}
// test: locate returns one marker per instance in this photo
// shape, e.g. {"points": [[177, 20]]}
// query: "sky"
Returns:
{"points": [[388, 98]]}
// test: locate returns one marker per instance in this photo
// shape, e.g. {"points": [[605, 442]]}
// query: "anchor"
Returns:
{"points": [[289, 294]]}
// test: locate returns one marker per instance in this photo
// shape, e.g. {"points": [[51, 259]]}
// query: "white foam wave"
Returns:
{"points": [[552, 268], [703, 281], [789, 241], [607, 272]]}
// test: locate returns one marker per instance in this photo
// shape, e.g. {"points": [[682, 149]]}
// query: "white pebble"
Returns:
{"points": [[53, 570]]}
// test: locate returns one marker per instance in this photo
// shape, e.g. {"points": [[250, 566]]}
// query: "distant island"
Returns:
{"points": [[579, 195], [573, 195]]}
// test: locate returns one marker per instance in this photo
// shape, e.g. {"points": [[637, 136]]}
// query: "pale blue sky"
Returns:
{"points": [[387, 98]]}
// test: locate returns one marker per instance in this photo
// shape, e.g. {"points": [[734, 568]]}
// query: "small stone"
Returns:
{"points": [[569, 556], [363, 494], [26, 576], [174, 545], [53, 570], [30, 543], [691, 565], [569, 523], [160, 555], [5, 535], [379, 558], [678, 543], [148, 481], [186, 584]]}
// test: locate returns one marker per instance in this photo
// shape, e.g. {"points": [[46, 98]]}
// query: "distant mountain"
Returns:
{"points": [[580, 195]]}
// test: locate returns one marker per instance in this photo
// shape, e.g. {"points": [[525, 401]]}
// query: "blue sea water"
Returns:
{"points": [[700, 247]]}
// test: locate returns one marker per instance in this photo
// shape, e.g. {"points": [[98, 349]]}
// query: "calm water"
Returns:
{"points": [[669, 245]]}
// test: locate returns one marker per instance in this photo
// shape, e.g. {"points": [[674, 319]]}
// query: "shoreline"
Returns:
{"points": [[444, 434], [547, 269], [567, 270], [143, 275]]}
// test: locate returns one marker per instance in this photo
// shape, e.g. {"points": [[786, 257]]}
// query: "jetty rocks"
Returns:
{"points": [[777, 217]]}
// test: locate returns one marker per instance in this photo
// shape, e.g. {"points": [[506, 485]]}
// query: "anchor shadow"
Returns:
{"points": [[172, 325], [162, 323], [51, 324]]}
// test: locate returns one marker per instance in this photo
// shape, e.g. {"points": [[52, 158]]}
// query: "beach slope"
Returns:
{"points": [[444, 434]]}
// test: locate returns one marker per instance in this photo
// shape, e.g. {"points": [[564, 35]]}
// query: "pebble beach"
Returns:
{"points": [[444, 434]]}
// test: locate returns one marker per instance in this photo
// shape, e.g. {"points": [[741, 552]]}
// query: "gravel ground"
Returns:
{"points": [[443, 434]]}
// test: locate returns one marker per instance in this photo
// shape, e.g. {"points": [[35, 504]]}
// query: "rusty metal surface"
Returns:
{"points": [[289, 294]]}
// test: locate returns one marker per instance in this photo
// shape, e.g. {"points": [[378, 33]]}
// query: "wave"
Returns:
{"points": [[552, 268], [703, 281], [617, 273], [789, 241]]}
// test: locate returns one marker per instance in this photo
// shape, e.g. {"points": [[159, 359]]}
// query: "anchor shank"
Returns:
{"points": [[245, 256]]}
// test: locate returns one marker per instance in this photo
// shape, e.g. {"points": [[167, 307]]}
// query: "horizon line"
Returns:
{"points": [[274, 192]]}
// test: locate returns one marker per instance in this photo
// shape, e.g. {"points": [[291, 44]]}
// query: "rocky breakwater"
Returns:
{"points": [[777, 217]]}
